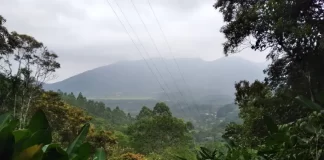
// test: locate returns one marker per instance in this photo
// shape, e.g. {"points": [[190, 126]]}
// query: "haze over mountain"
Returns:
{"points": [[203, 79]]}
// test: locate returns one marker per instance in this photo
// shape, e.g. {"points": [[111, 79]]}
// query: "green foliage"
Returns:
{"points": [[79, 140], [54, 150], [34, 142], [65, 120], [123, 139], [21, 85], [292, 33], [231, 152], [161, 109], [115, 117], [301, 139], [101, 138], [144, 113], [172, 153], [257, 99], [100, 154], [210, 127], [156, 133], [205, 153], [132, 156], [275, 124]]}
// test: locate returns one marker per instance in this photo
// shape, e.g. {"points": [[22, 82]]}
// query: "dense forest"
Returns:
{"points": [[280, 117]]}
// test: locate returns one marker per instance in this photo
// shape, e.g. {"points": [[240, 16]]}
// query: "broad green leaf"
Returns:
{"points": [[180, 158], [100, 154], [7, 142], [73, 147], [10, 123], [21, 134], [220, 155], [73, 157], [272, 127], [49, 146], [320, 97], [40, 137], [38, 122], [214, 153], [308, 103], [54, 152], [205, 150], [205, 153], [29, 153], [13, 124], [84, 151], [4, 118], [198, 157]]}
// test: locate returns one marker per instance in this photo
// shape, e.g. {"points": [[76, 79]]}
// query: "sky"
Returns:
{"points": [[87, 34]]}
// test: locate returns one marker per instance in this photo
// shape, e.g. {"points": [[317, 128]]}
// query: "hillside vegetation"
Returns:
{"points": [[280, 117]]}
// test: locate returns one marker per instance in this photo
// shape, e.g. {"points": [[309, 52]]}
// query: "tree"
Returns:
{"points": [[292, 33], [35, 64], [64, 119], [144, 113], [156, 133], [101, 138], [7, 43], [35, 141], [118, 116], [291, 30], [66, 122], [132, 156], [256, 100], [115, 117], [161, 109], [81, 100]]}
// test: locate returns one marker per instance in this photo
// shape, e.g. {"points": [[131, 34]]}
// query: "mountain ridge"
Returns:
{"points": [[134, 78]]}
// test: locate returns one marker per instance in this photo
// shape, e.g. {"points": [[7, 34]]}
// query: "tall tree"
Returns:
{"points": [[81, 100], [292, 32], [27, 64], [161, 109], [7, 43], [144, 113]]}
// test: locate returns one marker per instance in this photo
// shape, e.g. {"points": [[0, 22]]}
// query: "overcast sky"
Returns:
{"points": [[86, 33]]}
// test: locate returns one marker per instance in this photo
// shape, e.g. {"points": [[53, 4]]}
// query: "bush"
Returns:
{"points": [[35, 142], [132, 156]]}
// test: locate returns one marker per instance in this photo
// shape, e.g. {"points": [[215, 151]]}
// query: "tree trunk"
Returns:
{"points": [[27, 110]]}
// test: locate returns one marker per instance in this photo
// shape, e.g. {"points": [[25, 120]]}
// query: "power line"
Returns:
{"points": [[170, 50], [139, 51], [147, 54], [159, 52]]}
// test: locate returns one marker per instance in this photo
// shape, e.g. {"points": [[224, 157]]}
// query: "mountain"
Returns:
{"points": [[205, 80]]}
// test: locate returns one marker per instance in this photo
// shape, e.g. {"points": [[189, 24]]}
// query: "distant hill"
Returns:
{"points": [[207, 80]]}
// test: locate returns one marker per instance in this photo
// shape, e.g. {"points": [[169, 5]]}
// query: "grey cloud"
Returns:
{"points": [[181, 4], [86, 34]]}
